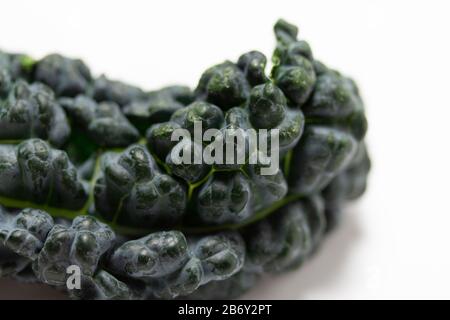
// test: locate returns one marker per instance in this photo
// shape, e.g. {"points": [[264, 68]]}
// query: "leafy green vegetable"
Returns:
{"points": [[103, 122], [224, 85], [30, 111], [101, 286], [67, 77], [82, 244], [348, 185], [25, 232], [88, 177], [293, 68], [157, 106], [32, 171], [253, 65], [115, 91], [320, 155], [11, 263], [132, 190]]}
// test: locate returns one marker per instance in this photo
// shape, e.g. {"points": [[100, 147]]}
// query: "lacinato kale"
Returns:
{"points": [[88, 176], [102, 122], [29, 111]]}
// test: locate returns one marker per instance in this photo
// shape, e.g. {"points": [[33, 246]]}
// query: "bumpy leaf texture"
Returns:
{"points": [[87, 176]]}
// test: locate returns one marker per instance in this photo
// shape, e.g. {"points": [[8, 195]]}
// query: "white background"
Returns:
{"points": [[394, 243]]}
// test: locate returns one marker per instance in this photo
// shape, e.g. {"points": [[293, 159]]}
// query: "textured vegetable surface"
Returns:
{"points": [[87, 177]]}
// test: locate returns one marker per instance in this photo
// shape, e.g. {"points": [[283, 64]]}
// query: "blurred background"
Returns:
{"points": [[394, 242]]}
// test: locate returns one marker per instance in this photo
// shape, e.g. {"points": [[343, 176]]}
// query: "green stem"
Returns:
{"points": [[117, 213], [261, 214], [195, 185], [287, 163], [10, 141], [92, 182], [55, 212], [137, 232], [132, 231]]}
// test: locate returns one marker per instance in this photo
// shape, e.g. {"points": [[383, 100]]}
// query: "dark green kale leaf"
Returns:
{"points": [[204, 230], [5, 83], [234, 196], [231, 288], [285, 239], [11, 263], [101, 286], [24, 232], [336, 102], [225, 198], [131, 190], [157, 106], [67, 77], [159, 139], [161, 260], [320, 155], [155, 255], [103, 122], [190, 172], [171, 266], [335, 121], [267, 106], [224, 85], [268, 110], [285, 33], [33, 171], [253, 65], [348, 185], [221, 255], [293, 69], [115, 91], [209, 115], [16, 65], [82, 244], [31, 111], [267, 188]]}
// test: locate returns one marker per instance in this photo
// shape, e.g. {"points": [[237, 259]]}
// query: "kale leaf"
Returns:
{"points": [[89, 175]]}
